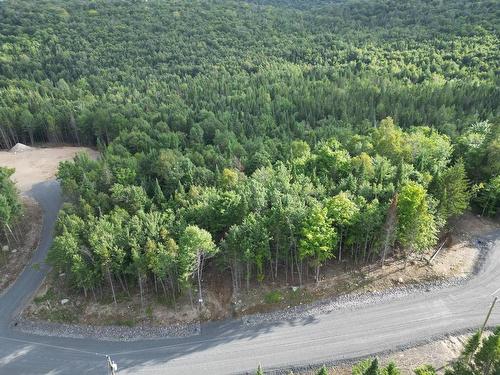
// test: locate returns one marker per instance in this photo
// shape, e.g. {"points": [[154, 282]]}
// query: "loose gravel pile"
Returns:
{"points": [[19, 147]]}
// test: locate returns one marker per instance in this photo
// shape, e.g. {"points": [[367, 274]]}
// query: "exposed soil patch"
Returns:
{"points": [[14, 256], [57, 303], [38, 164]]}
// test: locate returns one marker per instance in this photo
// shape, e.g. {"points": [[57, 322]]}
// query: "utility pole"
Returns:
{"points": [[487, 317], [469, 358], [112, 366]]}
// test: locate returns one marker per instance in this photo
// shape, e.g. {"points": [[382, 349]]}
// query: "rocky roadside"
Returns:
{"points": [[301, 312], [354, 301], [106, 333]]}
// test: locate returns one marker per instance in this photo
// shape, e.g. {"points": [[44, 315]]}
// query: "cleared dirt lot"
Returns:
{"points": [[38, 164], [32, 166]]}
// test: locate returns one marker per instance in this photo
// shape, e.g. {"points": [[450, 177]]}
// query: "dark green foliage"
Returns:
{"points": [[372, 367], [181, 74], [452, 191], [481, 356], [488, 196], [425, 370], [391, 369], [10, 205]]}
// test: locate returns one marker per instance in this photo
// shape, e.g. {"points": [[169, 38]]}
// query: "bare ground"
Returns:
{"points": [[38, 164]]}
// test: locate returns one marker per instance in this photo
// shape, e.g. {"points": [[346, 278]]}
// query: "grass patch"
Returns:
{"points": [[49, 295], [129, 322], [149, 312], [165, 301], [274, 296], [121, 297], [299, 296], [59, 315]]}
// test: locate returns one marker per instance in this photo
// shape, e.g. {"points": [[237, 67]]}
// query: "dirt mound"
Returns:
{"points": [[19, 147]]}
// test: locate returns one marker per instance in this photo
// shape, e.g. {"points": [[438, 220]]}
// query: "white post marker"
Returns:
{"points": [[112, 366]]}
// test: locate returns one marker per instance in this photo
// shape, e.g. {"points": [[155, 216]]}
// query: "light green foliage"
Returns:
{"points": [[390, 141], [300, 151], [479, 145], [341, 210], [216, 210], [431, 151], [229, 178], [343, 213], [363, 167], [391, 369], [273, 297], [416, 228], [452, 191], [425, 370], [372, 367], [488, 196], [480, 356], [131, 198], [10, 206], [330, 160], [363, 367], [194, 244], [318, 238], [255, 242]]}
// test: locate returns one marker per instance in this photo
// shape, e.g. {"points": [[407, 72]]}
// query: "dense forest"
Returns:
{"points": [[269, 136]]}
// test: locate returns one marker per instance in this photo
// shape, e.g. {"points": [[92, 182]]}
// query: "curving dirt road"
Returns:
{"points": [[230, 347]]}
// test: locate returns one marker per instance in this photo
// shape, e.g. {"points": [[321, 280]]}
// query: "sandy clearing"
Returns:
{"points": [[39, 164]]}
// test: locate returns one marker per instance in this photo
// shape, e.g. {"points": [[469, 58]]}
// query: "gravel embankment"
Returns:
{"points": [[355, 301], [106, 333]]}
